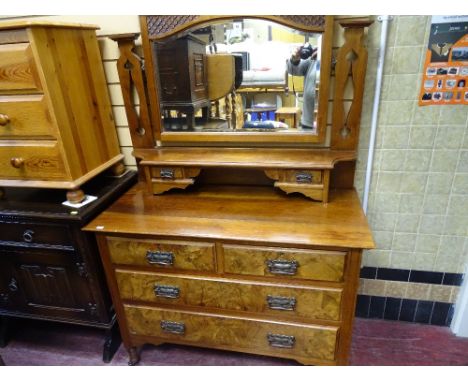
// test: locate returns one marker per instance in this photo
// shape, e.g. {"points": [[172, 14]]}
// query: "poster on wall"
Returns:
{"points": [[445, 75]]}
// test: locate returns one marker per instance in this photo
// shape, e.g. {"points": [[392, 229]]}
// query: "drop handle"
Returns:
{"points": [[17, 162], [4, 119]]}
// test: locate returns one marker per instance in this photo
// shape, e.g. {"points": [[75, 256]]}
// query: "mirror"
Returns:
{"points": [[237, 77]]}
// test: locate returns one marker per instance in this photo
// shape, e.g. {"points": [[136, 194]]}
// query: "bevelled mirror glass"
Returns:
{"points": [[245, 76]]}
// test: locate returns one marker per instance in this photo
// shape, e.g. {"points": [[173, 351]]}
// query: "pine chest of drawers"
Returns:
{"points": [[56, 123], [250, 275]]}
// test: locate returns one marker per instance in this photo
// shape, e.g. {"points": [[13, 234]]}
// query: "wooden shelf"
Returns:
{"points": [[260, 158], [252, 215]]}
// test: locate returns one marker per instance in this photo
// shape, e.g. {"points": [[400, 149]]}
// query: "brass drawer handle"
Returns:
{"points": [[281, 303], [166, 173], [281, 340], [304, 177], [28, 236], [4, 119], [173, 327], [282, 267], [160, 257], [17, 162], [166, 291]]}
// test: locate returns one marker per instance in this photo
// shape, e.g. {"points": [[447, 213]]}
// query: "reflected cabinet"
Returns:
{"points": [[245, 232]]}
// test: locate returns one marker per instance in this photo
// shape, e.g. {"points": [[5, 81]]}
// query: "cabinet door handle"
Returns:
{"points": [[281, 303], [28, 235], [4, 119], [166, 291], [17, 162], [173, 327], [281, 340], [13, 285], [282, 267], [160, 258]]}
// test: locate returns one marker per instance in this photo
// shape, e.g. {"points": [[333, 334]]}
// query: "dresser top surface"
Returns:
{"points": [[255, 215], [22, 24]]}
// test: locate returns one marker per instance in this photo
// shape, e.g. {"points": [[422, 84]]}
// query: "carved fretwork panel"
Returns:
{"points": [[162, 26], [350, 71]]}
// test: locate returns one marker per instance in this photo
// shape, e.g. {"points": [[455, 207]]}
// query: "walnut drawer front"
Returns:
{"points": [[238, 295], [17, 69], [292, 263], [37, 160], [251, 335], [25, 116], [163, 254]]}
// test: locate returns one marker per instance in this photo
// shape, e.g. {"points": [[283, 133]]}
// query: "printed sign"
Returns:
{"points": [[445, 76]]}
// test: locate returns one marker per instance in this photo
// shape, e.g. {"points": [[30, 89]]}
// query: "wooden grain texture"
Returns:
{"points": [[37, 160], [13, 36], [160, 186], [312, 265], [71, 67], [256, 215], [187, 255], [231, 294], [264, 158], [18, 69], [29, 117], [249, 335], [220, 75], [350, 66]]}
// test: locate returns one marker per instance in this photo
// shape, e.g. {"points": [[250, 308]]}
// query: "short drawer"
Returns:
{"points": [[171, 173], [299, 341], [163, 254], [17, 69], [292, 263], [25, 233], [301, 176], [34, 161], [237, 295], [25, 116]]}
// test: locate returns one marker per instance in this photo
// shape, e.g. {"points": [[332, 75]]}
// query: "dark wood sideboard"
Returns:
{"points": [[49, 268]]}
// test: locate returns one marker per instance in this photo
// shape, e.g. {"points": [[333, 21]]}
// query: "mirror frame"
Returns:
{"points": [[160, 28]]}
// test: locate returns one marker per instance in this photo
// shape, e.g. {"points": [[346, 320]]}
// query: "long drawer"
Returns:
{"points": [[291, 263], [238, 295], [34, 161], [251, 335], [25, 116], [163, 254], [18, 69]]}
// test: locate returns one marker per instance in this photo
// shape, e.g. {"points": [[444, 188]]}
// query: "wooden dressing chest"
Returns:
{"points": [[56, 123], [208, 249]]}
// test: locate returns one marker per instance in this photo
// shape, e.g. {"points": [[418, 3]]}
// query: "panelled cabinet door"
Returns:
{"points": [[53, 284]]}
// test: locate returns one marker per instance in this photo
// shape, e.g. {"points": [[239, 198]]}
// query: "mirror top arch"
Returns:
{"points": [[163, 26]]}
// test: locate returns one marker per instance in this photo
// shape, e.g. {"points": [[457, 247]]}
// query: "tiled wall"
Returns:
{"points": [[418, 204]]}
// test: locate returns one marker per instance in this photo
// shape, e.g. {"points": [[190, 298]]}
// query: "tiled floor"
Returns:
{"points": [[375, 342]]}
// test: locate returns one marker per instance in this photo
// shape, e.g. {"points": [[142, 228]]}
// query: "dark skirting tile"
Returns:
{"points": [[440, 313], [452, 279], [450, 315], [423, 312], [377, 306], [392, 274], [362, 306], [408, 310], [368, 272], [426, 277], [392, 308]]}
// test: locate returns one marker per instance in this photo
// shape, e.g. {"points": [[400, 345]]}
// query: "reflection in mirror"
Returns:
{"points": [[240, 76]]}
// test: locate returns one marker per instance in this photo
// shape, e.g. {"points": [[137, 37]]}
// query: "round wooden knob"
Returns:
{"points": [[4, 119], [17, 162]]}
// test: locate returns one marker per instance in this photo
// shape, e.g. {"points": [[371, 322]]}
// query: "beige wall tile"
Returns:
{"points": [[439, 183], [404, 242], [411, 30], [432, 224], [463, 161], [413, 183], [401, 260], [444, 160], [120, 117], [374, 287], [406, 60], [428, 243], [407, 223], [435, 204], [418, 160], [123, 134], [460, 184], [454, 295], [440, 293], [449, 137], [411, 203], [417, 291], [423, 261], [422, 137], [395, 289], [110, 69], [377, 258], [392, 160]]}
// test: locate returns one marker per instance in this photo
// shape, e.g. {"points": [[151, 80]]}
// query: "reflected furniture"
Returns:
{"points": [[50, 269], [56, 123], [208, 249]]}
